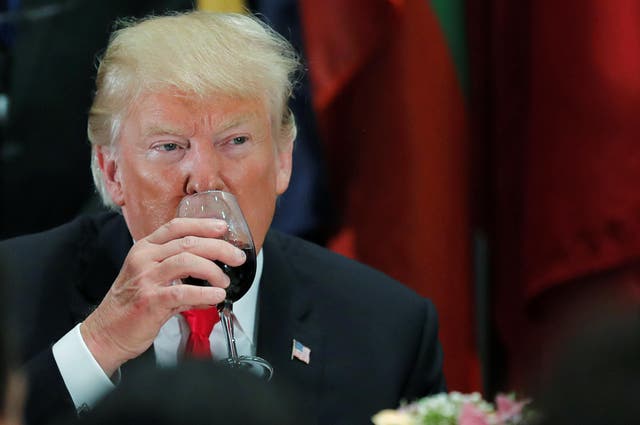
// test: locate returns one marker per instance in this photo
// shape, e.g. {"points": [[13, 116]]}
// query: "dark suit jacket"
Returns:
{"points": [[373, 341]]}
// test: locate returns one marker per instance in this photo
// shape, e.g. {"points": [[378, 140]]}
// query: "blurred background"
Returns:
{"points": [[482, 152]]}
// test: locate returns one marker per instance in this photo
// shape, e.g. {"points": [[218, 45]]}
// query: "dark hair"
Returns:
{"points": [[596, 378], [7, 359], [194, 393]]}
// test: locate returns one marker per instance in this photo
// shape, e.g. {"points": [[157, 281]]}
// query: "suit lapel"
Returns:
{"points": [[101, 255], [101, 251], [286, 312]]}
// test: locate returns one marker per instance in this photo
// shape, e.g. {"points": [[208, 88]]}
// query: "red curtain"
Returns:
{"points": [[394, 121], [557, 94]]}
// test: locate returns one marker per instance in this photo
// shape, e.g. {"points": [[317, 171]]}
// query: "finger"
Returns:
{"points": [[212, 249], [192, 307], [181, 227], [186, 297], [185, 264]]}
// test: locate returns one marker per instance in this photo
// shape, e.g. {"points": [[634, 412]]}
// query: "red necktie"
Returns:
{"points": [[201, 323]]}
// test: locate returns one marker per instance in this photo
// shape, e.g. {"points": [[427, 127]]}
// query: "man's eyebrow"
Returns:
{"points": [[224, 125], [156, 130], [235, 121]]}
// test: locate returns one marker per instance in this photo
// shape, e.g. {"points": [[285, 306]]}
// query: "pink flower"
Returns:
{"points": [[507, 408], [471, 415]]}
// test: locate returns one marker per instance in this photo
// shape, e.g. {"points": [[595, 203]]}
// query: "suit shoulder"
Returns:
{"points": [[311, 254], [50, 245], [339, 274]]}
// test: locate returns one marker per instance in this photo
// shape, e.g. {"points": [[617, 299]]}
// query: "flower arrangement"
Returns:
{"points": [[456, 409]]}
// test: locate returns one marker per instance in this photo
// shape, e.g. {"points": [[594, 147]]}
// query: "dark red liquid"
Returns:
{"points": [[241, 277]]}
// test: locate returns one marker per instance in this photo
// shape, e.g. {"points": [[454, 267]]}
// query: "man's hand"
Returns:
{"points": [[143, 296]]}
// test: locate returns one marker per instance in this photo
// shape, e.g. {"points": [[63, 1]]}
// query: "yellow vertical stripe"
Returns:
{"points": [[237, 6]]}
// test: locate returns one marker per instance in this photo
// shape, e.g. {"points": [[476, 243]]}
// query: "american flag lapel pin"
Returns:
{"points": [[300, 351]]}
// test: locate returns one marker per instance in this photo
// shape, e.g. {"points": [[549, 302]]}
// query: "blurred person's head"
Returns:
{"points": [[194, 393], [11, 381], [595, 379], [193, 102]]}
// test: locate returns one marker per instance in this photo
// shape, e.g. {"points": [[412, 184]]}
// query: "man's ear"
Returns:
{"points": [[284, 156], [106, 159]]}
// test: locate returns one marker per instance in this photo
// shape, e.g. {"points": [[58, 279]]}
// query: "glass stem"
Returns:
{"points": [[226, 317]]}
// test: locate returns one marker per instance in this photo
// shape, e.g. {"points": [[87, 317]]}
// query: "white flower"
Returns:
{"points": [[393, 417]]}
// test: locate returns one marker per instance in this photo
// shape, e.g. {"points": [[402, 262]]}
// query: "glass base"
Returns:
{"points": [[254, 365]]}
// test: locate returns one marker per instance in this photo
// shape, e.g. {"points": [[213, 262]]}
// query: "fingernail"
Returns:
{"points": [[241, 255], [227, 280], [220, 225]]}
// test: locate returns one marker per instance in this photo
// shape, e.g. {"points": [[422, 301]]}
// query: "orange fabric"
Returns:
{"points": [[337, 52], [393, 118], [201, 323]]}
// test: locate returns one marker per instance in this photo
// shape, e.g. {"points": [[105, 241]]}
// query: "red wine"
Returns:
{"points": [[241, 277]]}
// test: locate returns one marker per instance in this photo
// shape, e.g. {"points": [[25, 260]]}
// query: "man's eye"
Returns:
{"points": [[168, 147], [239, 140]]}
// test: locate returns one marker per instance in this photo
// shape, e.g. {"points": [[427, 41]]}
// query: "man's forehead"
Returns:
{"points": [[168, 113]]}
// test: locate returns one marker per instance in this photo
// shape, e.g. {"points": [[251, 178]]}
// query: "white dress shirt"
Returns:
{"points": [[87, 383]]}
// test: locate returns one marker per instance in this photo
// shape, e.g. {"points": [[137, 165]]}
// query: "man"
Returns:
{"points": [[183, 104]]}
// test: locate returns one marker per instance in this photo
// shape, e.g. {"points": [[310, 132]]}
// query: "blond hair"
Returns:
{"points": [[196, 53]]}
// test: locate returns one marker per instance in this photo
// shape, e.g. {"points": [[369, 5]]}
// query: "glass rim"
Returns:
{"points": [[205, 192]]}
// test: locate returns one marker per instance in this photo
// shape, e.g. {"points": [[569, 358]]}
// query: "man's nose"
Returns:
{"points": [[203, 169]]}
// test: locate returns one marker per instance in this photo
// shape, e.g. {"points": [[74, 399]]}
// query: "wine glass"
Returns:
{"points": [[223, 205]]}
